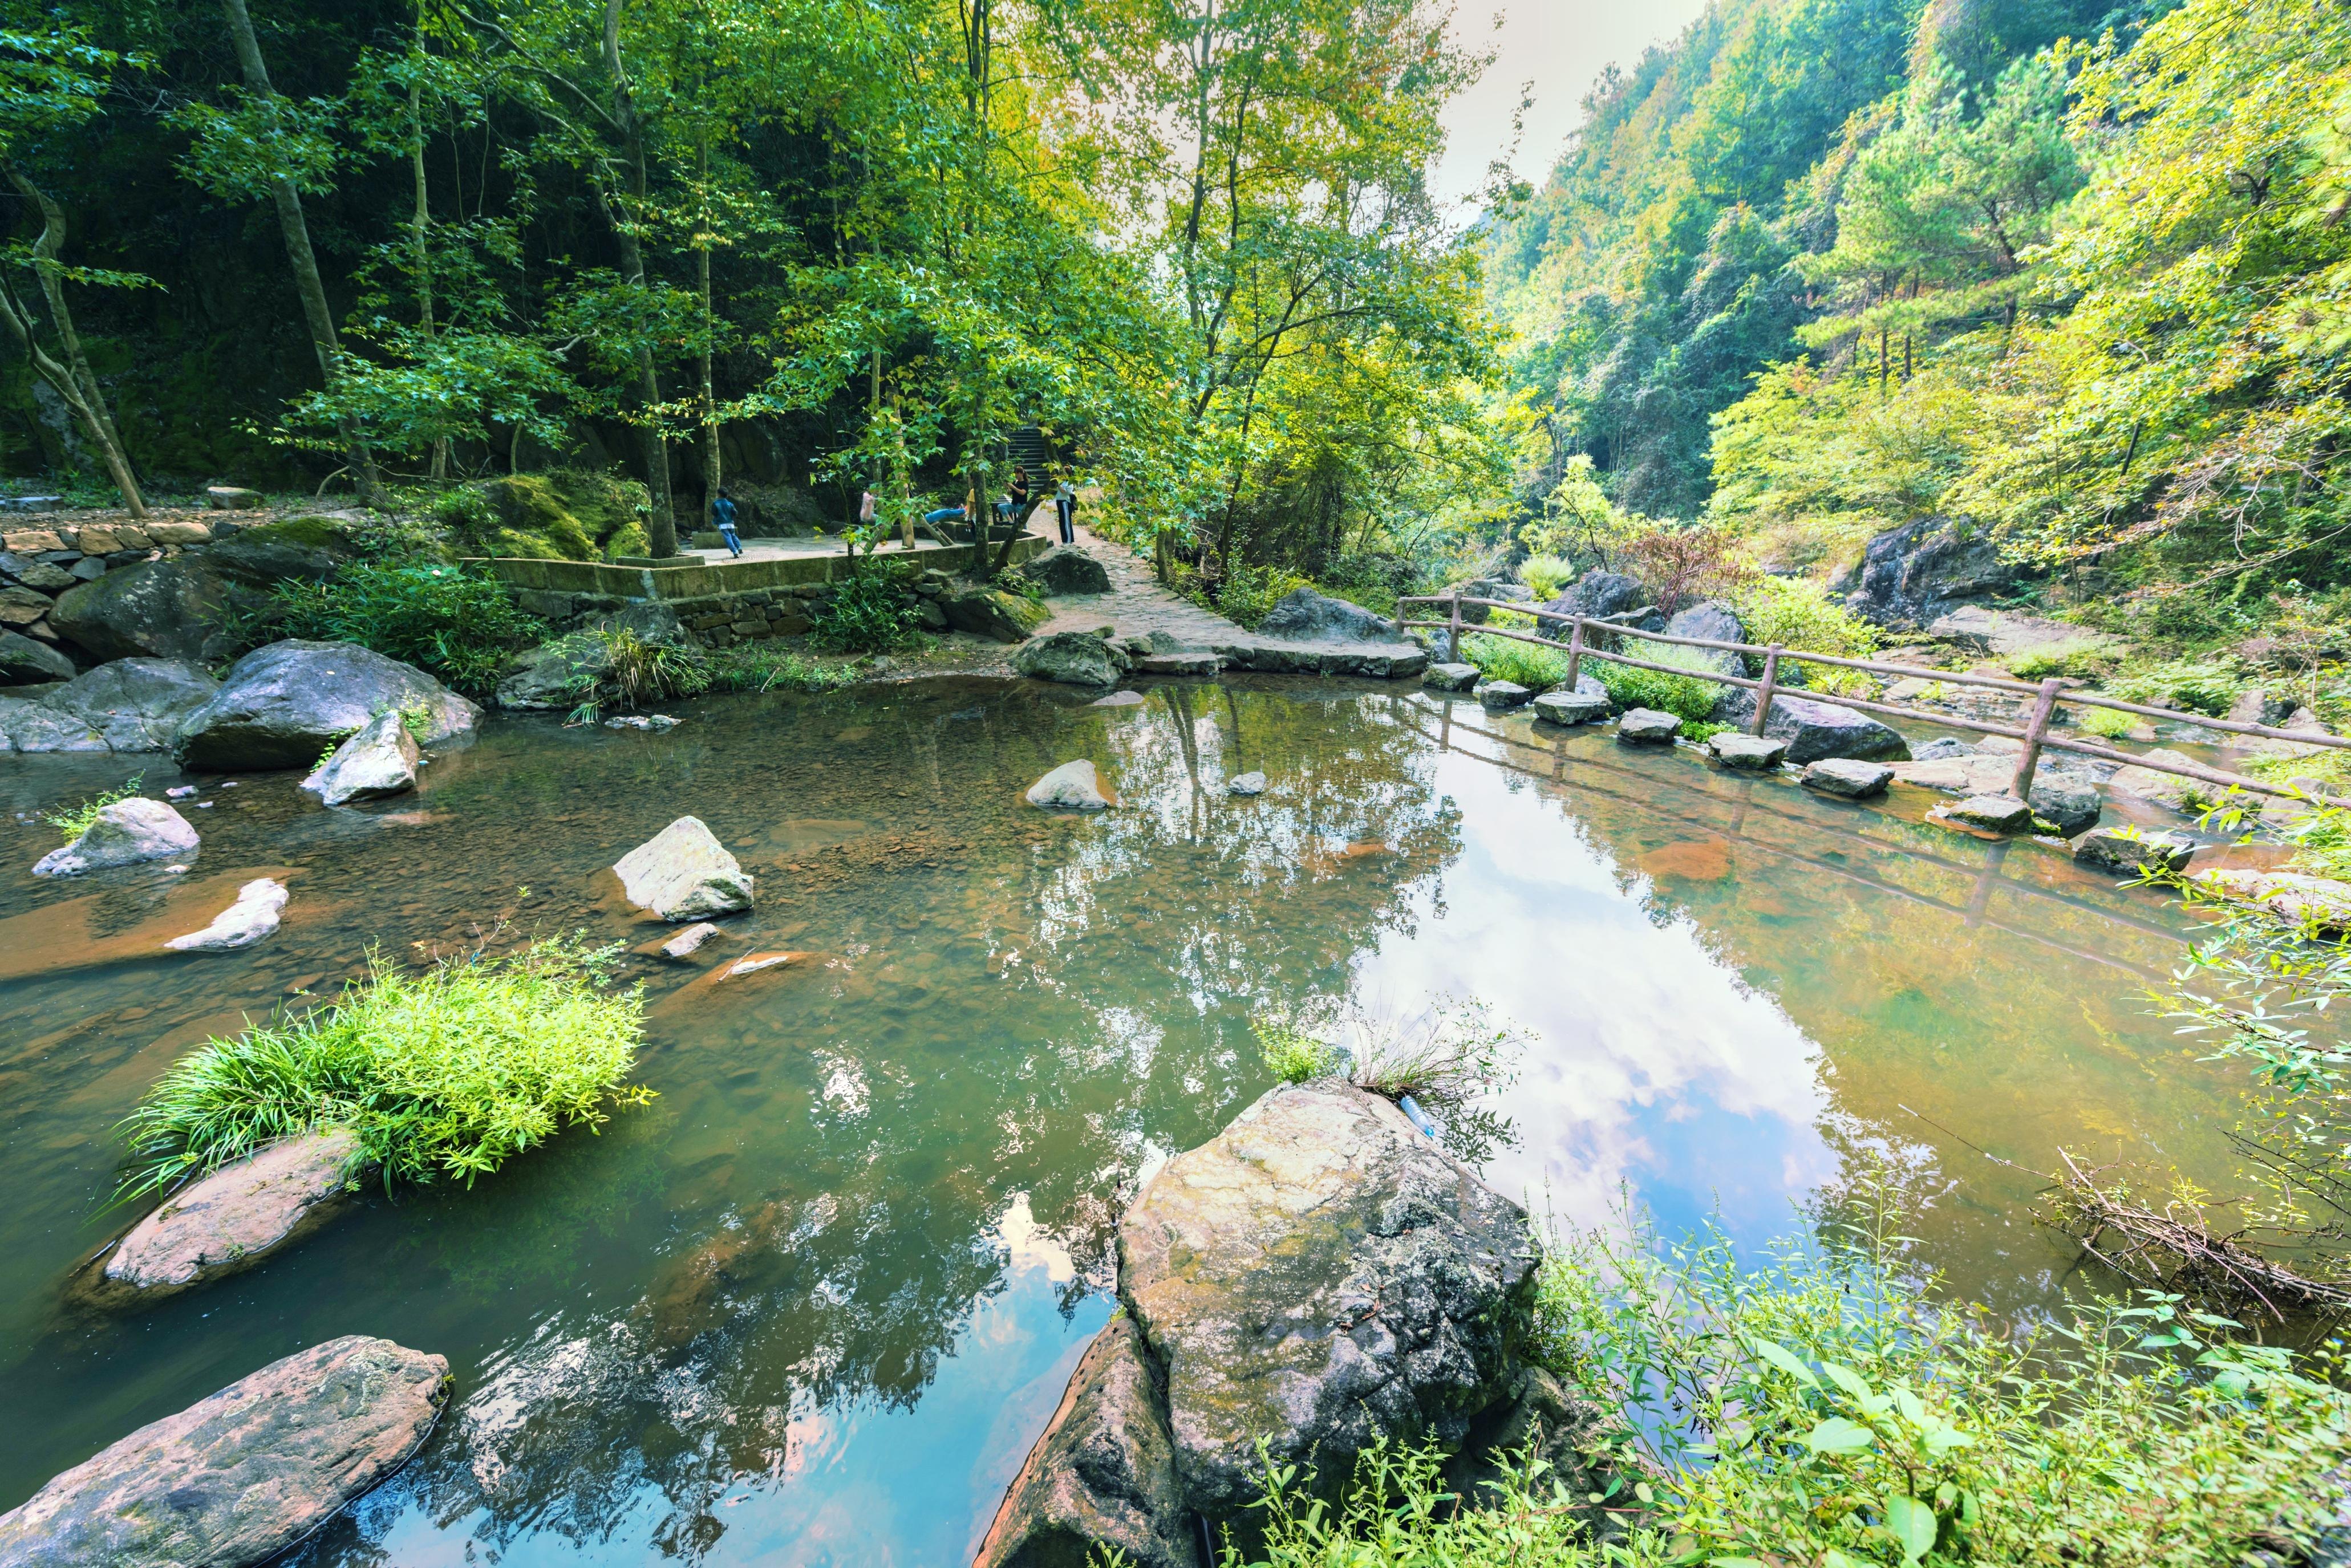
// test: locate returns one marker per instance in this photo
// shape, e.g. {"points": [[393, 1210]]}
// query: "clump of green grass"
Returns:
{"points": [[624, 669], [2106, 725], [1546, 576], [447, 1073], [73, 821], [870, 612], [2082, 659], [2198, 686], [1450, 1058], [1685, 696], [765, 667], [1500, 659]]}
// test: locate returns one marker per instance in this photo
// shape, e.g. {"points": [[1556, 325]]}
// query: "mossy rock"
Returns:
{"points": [[309, 549], [629, 540], [563, 514]]}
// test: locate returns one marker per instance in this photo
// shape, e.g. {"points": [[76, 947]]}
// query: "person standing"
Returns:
{"points": [[722, 513], [1065, 506]]}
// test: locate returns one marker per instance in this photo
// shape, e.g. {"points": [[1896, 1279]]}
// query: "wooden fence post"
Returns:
{"points": [[2021, 787], [1574, 654], [1771, 685], [1453, 634]]}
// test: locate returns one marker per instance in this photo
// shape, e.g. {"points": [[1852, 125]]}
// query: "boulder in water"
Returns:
{"points": [[242, 1475], [129, 705], [377, 762], [1813, 728], [1246, 783], [1747, 754], [2127, 852], [281, 705], [1572, 707], [2070, 804], [1312, 617], [254, 915], [123, 834], [1072, 786], [1848, 778], [1992, 813], [1072, 658], [1496, 696], [1647, 727], [232, 1218], [1103, 1474], [1450, 677], [683, 873]]}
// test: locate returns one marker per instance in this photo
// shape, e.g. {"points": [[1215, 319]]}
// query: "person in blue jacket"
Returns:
{"points": [[722, 513]]}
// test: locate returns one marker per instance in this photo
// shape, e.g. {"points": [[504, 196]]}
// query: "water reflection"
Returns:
{"points": [[812, 1303]]}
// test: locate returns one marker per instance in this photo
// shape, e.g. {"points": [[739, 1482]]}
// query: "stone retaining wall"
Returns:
{"points": [[636, 584], [36, 565]]}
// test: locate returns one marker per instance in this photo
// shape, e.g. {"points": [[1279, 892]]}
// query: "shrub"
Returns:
{"points": [[2082, 658], [446, 1073], [457, 625], [73, 821], [1795, 613], [1546, 575], [1500, 659], [1690, 561], [2196, 686], [1247, 594], [1683, 696], [2106, 725], [870, 612]]}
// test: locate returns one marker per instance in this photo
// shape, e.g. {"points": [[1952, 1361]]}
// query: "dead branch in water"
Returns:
{"points": [[2176, 1248]]}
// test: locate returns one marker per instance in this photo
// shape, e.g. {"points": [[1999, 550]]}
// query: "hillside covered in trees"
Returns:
{"points": [[2070, 278]]}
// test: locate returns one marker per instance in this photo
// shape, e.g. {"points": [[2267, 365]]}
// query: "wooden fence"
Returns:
{"points": [[2048, 696]]}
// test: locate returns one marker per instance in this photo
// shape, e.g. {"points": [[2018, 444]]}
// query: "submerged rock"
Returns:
{"points": [[1848, 778], [1072, 786], [283, 704], [130, 705], [1750, 753], [1450, 677], [232, 1218], [1317, 1276], [1072, 658], [1103, 1476], [1246, 783], [244, 922], [687, 942], [1812, 728], [2127, 851], [240, 1476], [378, 762], [1647, 727], [123, 834], [683, 873]]}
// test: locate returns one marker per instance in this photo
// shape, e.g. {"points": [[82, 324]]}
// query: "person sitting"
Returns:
{"points": [[1014, 508]]}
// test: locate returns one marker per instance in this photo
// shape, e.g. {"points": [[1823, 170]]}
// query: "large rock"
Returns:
{"points": [[1813, 728], [1073, 657], [244, 922], [281, 705], [1450, 677], [1572, 707], [240, 1476], [163, 609], [993, 613], [374, 764], [234, 1218], [25, 662], [1848, 778], [1647, 727], [1102, 1477], [1066, 569], [130, 705], [1713, 621], [1072, 786], [1496, 696], [2127, 851], [1990, 813], [683, 873], [126, 833], [1310, 616], [1747, 754], [2069, 803], [293, 550], [1913, 575], [560, 673], [1317, 1276]]}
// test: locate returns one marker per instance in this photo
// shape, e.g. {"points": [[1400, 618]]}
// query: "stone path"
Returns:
{"points": [[1136, 606]]}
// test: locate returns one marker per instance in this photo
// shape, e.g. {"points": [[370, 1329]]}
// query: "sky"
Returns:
{"points": [[1558, 45]]}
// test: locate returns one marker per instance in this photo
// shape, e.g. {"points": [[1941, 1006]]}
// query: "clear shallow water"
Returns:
{"points": [[814, 1302]]}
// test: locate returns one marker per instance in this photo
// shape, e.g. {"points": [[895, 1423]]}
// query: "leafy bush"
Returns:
{"points": [[765, 667], [2196, 686], [870, 611], [1547, 576], [1699, 731], [73, 821], [1447, 1058], [457, 625], [2106, 725], [1295, 1056], [1680, 563], [1683, 696], [447, 1073], [1247, 594], [1501, 658], [1796, 613], [2082, 658]]}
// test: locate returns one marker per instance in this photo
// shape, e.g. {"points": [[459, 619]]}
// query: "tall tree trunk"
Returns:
{"points": [[304, 261], [420, 243], [22, 327], [662, 526], [89, 405], [714, 473]]}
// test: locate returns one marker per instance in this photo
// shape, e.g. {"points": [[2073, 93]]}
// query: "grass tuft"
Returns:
{"points": [[1500, 659], [448, 1073], [73, 821]]}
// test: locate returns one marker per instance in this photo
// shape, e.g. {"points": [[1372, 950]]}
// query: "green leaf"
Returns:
{"points": [[1912, 1524], [1785, 1360], [1838, 1435], [1847, 1378]]}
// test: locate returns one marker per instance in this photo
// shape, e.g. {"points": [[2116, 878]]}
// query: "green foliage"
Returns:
{"points": [[448, 1073], [1797, 613], [765, 667], [1547, 576], [2196, 686], [1504, 658], [73, 821], [2082, 658], [1451, 1058], [870, 612], [1293, 1055], [563, 514], [1687, 697], [1246, 595], [2106, 725], [457, 625], [630, 671], [1699, 731]]}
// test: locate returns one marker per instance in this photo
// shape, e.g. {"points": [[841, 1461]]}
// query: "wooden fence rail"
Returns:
{"points": [[2034, 734]]}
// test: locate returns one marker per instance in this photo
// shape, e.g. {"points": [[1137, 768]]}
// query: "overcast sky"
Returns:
{"points": [[1558, 45]]}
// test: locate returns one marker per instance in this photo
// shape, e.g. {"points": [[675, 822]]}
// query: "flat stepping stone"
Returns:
{"points": [[1571, 707], [1497, 696], [1749, 754], [1647, 727], [1450, 677], [232, 1218], [1848, 778], [1992, 813], [1199, 662], [2127, 851]]}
